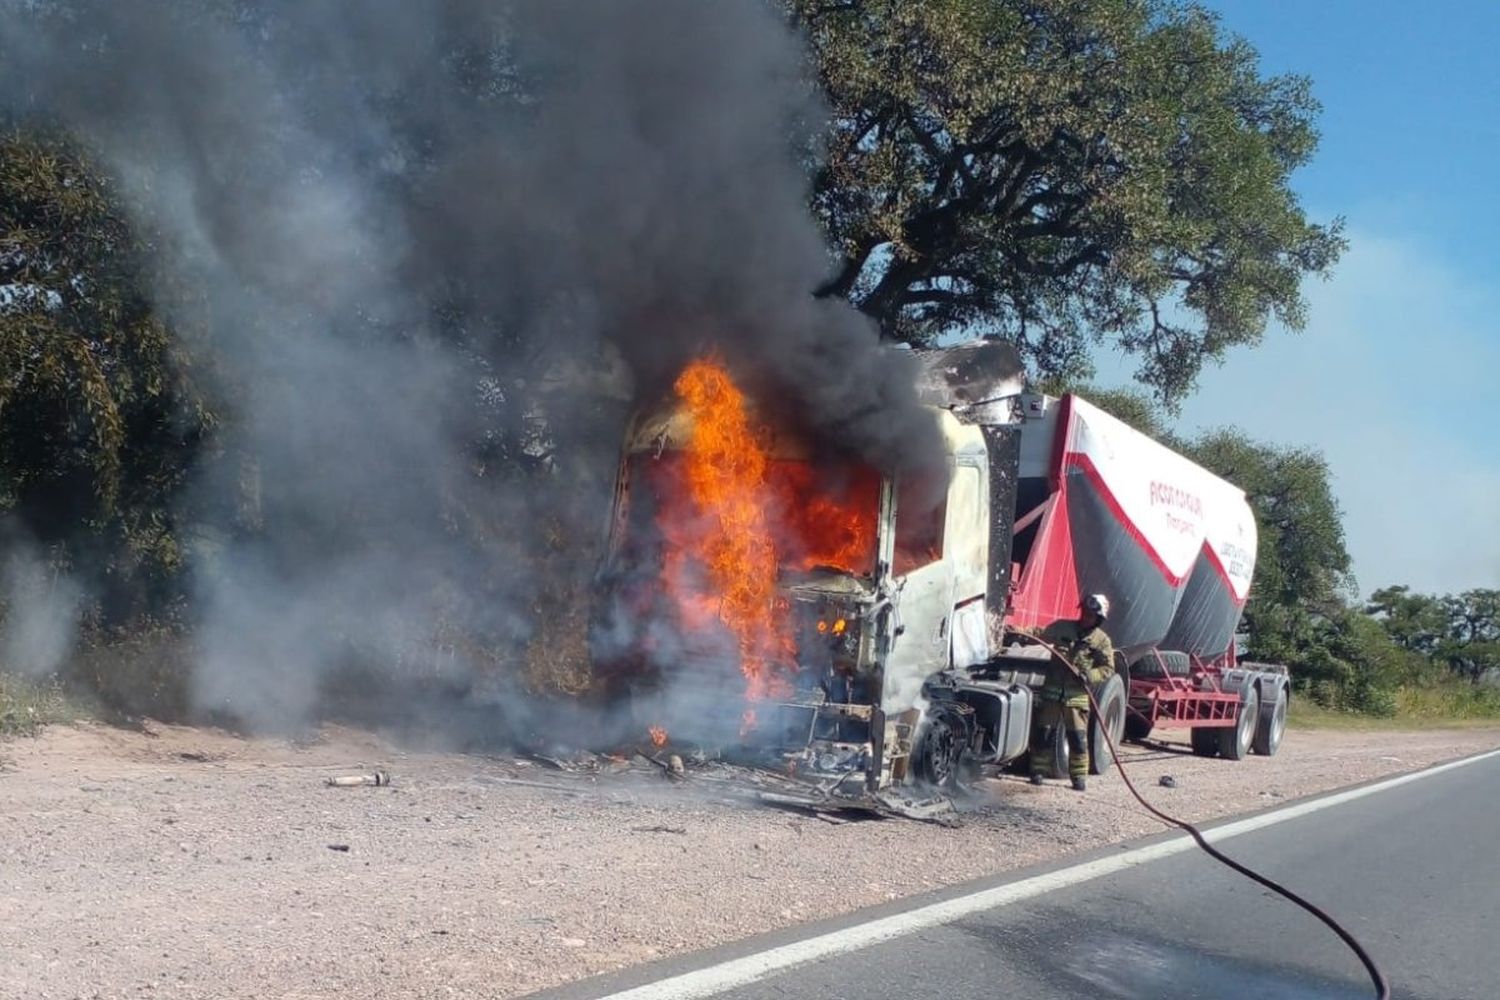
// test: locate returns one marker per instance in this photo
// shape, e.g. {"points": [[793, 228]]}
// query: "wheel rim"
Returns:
{"points": [[1278, 720], [941, 751], [1246, 732]]}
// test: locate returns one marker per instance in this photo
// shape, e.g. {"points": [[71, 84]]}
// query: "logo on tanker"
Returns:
{"points": [[1182, 509]]}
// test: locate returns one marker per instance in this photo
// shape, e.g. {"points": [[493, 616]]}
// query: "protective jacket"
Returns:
{"points": [[1090, 650]]}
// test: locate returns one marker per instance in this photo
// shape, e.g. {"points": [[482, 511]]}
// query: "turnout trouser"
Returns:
{"points": [[1075, 722]]}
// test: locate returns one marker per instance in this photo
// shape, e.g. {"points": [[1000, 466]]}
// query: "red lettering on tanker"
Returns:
{"points": [[1167, 495], [1178, 506]]}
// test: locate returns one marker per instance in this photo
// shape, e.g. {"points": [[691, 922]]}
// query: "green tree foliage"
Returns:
{"points": [[1460, 631], [97, 423], [1302, 560], [1347, 661], [1062, 172], [1471, 647], [1415, 622]]}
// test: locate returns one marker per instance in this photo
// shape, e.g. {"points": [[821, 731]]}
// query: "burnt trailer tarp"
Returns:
{"points": [[1170, 543]]}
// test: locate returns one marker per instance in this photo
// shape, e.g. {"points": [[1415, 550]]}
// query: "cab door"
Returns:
{"points": [[922, 603], [966, 548]]}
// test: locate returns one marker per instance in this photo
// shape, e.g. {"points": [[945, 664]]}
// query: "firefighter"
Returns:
{"points": [[1063, 701]]}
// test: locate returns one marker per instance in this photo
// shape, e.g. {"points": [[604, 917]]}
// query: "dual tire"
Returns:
{"points": [[1259, 727], [1233, 742], [1271, 726]]}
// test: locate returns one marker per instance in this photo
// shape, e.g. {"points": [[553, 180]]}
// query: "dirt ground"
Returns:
{"points": [[191, 863]]}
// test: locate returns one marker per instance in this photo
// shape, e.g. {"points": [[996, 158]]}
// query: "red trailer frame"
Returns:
{"points": [[1197, 701]]}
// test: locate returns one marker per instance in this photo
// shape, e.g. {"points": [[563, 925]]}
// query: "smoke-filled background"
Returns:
{"points": [[421, 258]]}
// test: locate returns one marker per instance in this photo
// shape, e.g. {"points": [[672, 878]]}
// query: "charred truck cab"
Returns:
{"points": [[901, 666]]}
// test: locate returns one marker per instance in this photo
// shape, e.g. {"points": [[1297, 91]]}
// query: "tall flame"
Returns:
{"points": [[732, 516], [726, 466]]}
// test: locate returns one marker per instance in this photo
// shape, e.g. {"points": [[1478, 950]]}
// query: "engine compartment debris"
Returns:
{"points": [[747, 776]]}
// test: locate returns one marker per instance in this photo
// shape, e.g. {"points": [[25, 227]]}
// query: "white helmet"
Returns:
{"points": [[1097, 603]]}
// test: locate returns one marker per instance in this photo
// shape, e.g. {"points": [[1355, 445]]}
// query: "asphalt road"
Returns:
{"points": [[1411, 870]]}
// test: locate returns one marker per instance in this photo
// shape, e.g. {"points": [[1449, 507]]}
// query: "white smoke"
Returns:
{"points": [[39, 608]]}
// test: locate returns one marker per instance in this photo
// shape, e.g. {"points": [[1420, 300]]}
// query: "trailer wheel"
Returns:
{"points": [[1271, 726], [1205, 741], [1235, 743], [1110, 718], [1137, 728]]}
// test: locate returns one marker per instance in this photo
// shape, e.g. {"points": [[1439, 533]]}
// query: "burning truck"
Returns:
{"points": [[865, 620]]}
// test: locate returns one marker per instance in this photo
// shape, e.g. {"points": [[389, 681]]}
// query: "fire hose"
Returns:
{"points": [[1377, 977]]}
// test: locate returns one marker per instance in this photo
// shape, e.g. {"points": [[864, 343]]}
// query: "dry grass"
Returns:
{"points": [[28, 706], [557, 657]]}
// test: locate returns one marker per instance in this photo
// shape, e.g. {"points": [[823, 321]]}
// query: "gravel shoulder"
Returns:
{"points": [[181, 862]]}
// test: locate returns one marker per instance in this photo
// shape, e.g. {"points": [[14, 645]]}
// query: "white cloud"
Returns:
{"points": [[1395, 381]]}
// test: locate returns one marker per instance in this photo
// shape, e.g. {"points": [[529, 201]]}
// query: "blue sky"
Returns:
{"points": [[1396, 378]]}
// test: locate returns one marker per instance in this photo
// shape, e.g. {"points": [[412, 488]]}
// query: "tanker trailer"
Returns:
{"points": [[1103, 508]]}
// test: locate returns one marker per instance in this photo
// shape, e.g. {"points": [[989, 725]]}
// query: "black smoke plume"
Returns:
{"points": [[418, 243]]}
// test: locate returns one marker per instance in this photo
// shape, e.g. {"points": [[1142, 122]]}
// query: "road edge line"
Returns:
{"points": [[715, 979]]}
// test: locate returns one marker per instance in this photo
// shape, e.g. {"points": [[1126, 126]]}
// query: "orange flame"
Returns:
{"points": [[658, 736], [726, 467], [732, 517], [830, 531]]}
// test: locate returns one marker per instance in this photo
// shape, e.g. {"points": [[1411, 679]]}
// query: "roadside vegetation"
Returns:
{"points": [[1446, 705], [27, 706]]}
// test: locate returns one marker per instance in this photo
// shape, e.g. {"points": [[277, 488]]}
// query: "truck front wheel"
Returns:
{"points": [[940, 756]]}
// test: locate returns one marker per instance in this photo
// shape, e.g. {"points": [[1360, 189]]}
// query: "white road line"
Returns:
{"points": [[737, 972]]}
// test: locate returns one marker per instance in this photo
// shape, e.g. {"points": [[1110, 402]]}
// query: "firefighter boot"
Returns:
{"points": [[1078, 758], [1037, 779]]}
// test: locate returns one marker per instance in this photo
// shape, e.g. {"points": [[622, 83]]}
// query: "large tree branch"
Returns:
{"points": [[842, 283], [1022, 169], [931, 233], [1091, 255], [936, 296], [897, 279], [1061, 224]]}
